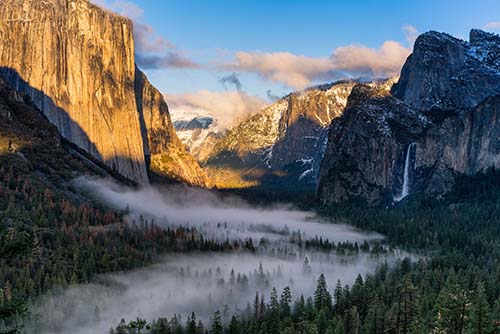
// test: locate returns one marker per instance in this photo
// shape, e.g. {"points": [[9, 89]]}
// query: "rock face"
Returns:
{"points": [[366, 145], [303, 128], [286, 139], [440, 121], [31, 144], [164, 153], [448, 74], [76, 62]]}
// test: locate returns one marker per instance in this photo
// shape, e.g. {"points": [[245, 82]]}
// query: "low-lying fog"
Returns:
{"points": [[205, 282]]}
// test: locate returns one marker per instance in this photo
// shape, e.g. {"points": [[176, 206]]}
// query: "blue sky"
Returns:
{"points": [[281, 46]]}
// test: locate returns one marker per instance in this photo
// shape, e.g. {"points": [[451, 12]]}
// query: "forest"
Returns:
{"points": [[454, 288]]}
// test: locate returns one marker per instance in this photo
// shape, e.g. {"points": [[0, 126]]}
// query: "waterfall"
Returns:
{"points": [[405, 191]]}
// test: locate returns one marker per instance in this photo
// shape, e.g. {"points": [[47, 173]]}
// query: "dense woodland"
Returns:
{"points": [[454, 289]]}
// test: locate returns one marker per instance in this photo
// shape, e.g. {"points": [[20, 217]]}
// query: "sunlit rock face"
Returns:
{"points": [[165, 154], [286, 139], [446, 104], [303, 127], [76, 61]]}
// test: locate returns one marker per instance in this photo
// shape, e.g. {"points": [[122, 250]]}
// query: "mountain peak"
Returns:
{"points": [[478, 36], [441, 72]]}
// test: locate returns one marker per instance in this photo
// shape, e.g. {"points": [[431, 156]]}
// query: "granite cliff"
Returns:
{"points": [[440, 120], [76, 62]]}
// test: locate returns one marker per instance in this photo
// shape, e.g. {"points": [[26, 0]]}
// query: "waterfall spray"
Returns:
{"points": [[405, 191]]}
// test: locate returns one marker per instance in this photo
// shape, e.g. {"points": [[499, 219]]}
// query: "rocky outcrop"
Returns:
{"points": [[440, 121], [165, 154], [447, 74], [76, 61], [467, 143], [286, 139], [31, 144], [303, 127], [366, 144]]}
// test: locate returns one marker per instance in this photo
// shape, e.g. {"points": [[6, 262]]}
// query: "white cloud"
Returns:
{"points": [[300, 71], [227, 108], [494, 25], [411, 34]]}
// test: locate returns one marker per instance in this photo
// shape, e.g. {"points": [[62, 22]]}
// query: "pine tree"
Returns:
{"points": [[191, 325], [322, 320], [452, 308], [353, 321], [479, 312], [374, 322], [322, 298], [306, 268], [408, 309], [285, 300], [339, 298], [256, 307], [299, 308], [216, 327], [234, 326]]}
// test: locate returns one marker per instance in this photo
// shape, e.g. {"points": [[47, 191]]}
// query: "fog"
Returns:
{"points": [[204, 282], [176, 206]]}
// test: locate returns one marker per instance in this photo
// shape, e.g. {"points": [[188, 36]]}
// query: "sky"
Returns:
{"points": [[248, 53]]}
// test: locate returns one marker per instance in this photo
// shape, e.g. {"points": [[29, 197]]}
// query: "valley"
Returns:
{"points": [[353, 193], [270, 248]]}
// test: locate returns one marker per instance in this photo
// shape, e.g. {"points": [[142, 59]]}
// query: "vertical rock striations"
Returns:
{"points": [[76, 61]]}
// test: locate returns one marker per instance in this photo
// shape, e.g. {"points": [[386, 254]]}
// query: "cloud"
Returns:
{"points": [[146, 39], [292, 70], [231, 79], [494, 25], [227, 108], [411, 34], [298, 71], [358, 60], [152, 50]]}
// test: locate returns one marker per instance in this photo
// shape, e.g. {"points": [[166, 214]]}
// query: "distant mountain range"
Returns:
{"points": [[377, 141]]}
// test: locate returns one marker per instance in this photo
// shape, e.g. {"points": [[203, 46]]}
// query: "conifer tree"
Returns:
{"points": [[479, 320], [322, 297], [216, 327]]}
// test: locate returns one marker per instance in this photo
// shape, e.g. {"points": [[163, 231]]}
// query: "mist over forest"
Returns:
{"points": [[201, 282]]}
